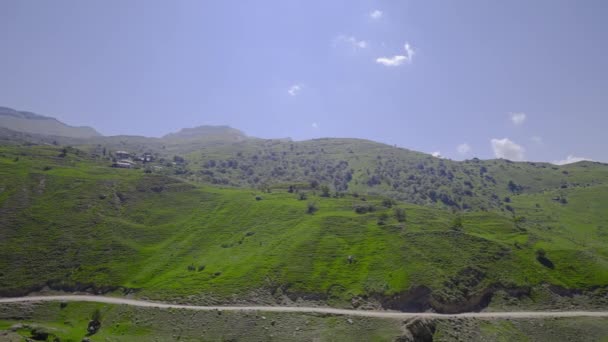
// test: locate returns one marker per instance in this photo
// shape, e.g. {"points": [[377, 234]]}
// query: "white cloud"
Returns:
{"points": [[376, 14], [506, 149], [437, 154], [352, 41], [315, 125], [294, 89], [391, 61], [409, 51], [571, 159], [398, 59], [464, 148], [518, 118]]}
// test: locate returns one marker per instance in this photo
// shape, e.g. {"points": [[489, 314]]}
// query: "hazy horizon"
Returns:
{"points": [[463, 80]]}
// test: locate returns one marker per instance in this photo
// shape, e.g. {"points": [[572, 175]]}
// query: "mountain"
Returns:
{"points": [[219, 217], [209, 133], [68, 221], [27, 122]]}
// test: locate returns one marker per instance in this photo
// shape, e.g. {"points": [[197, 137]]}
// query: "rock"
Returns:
{"points": [[350, 321], [86, 339]]}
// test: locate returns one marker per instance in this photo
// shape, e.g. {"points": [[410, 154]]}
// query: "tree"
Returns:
{"points": [[64, 152], [382, 218], [388, 203], [311, 208], [325, 191], [400, 214], [541, 256], [457, 223], [541, 253], [514, 188]]}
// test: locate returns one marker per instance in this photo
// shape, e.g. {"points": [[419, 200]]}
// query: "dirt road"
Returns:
{"points": [[298, 309]]}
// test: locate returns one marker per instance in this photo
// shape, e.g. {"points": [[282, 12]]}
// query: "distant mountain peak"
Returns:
{"points": [[28, 122], [209, 132]]}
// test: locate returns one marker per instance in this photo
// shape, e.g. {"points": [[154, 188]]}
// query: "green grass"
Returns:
{"points": [[73, 222], [124, 323]]}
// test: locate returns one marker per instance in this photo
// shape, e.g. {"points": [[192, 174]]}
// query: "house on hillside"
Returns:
{"points": [[122, 155], [147, 157], [122, 164]]}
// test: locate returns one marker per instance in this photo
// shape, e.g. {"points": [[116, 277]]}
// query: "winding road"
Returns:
{"points": [[302, 309]]}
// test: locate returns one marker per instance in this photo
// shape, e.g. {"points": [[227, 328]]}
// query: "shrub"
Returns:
{"points": [[541, 256], [400, 214], [200, 268], [96, 315], [311, 208], [457, 223], [325, 191], [382, 218], [540, 253], [364, 208], [302, 196], [388, 203]]}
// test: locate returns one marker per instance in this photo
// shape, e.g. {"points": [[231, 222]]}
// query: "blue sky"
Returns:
{"points": [[525, 80]]}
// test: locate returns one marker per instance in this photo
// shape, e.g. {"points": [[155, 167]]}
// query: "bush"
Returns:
{"points": [[400, 214], [302, 196], [541, 256], [96, 316], [540, 253], [388, 203], [200, 268], [311, 208], [364, 208], [325, 191], [457, 223], [382, 218]]}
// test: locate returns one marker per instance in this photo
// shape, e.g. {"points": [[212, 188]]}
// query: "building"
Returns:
{"points": [[122, 165], [122, 155]]}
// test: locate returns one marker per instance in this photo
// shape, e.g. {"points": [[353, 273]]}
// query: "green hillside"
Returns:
{"points": [[360, 166], [69, 221]]}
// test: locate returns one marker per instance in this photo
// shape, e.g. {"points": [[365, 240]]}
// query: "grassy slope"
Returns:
{"points": [[80, 222]]}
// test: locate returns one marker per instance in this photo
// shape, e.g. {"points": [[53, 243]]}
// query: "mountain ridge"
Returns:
{"points": [[28, 122]]}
